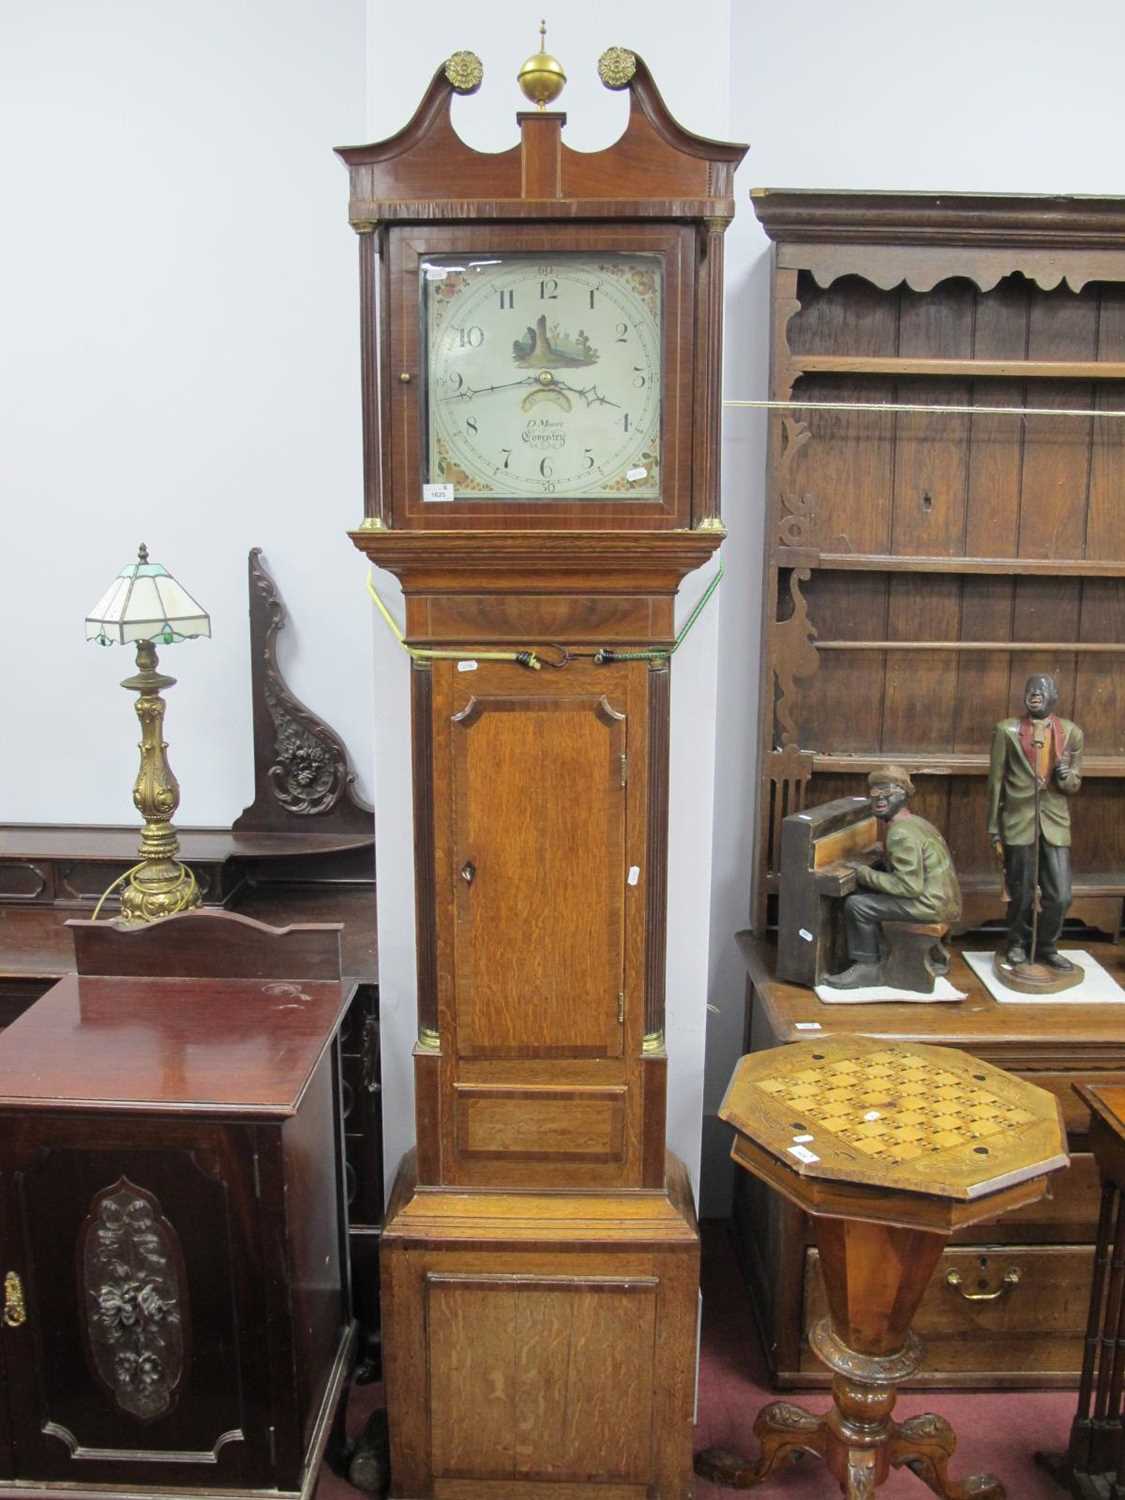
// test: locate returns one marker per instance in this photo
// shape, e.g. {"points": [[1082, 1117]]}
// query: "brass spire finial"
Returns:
{"points": [[542, 78]]}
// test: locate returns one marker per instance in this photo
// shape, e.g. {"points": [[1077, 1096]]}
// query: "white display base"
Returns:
{"points": [[1098, 987], [873, 994]]}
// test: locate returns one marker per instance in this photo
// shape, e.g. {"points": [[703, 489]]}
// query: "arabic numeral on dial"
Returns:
{"points": [[549, 488], [470, 338], [640, 379], [545, 468], [625, 422], [507, 452], [456, 380], [471, 426], [588, 455], [507, 299], [622, 333], [593, 292], [548, 290]]}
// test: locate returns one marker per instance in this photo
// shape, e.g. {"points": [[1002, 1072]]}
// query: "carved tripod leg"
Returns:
{"points": [[861, 1475], [782, 1430], [925, 1445]]}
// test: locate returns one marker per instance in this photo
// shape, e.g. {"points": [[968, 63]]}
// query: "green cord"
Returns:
{"points": [[606, 655]]}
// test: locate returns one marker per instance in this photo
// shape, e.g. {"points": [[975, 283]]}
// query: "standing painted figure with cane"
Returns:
{"points": [[1036, 766]]}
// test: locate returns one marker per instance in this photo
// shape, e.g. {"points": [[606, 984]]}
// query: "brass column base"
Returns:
{"points": [[160, 886], [857, 1438], [144, 899]]}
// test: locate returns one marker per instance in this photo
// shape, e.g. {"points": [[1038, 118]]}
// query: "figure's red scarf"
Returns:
{"points": [[1027, 729]]}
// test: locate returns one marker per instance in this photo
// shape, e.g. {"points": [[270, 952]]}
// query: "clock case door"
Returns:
{"points": [[542, 848], [405, 399]]}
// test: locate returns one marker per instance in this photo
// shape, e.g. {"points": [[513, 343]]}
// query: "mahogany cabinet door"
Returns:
{"points": [[133, 1244], [6, 1293], [535, 806]]}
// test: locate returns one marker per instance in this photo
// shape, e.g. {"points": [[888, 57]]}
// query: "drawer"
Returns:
{"points": [[1034, 1330]]}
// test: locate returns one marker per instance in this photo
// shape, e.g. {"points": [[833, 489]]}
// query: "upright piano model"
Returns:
{"points": [[814, 880]]}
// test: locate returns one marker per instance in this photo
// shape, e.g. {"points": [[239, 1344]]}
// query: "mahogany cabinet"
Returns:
{"points": [[176, 1312]]}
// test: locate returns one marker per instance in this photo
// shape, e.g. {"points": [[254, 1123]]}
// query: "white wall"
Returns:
{"points": [[178, 365], [404, 50]]}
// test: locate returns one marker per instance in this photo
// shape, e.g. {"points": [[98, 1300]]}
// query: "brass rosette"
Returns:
{"points": [[464, 70], [616, 67]]}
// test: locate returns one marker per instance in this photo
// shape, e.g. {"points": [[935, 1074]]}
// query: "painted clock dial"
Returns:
{"points": [[543, 376]]}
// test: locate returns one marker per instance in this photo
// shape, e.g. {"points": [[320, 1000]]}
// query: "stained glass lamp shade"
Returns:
{"points": [[145, 603]]}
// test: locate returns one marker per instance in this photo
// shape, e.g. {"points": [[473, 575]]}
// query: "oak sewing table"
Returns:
{"points": [[1007, 1306], [888, 1147]]}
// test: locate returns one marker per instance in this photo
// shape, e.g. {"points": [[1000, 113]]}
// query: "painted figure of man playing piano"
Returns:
{"points": [[916, 883]]}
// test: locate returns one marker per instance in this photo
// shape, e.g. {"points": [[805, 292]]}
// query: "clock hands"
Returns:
{"points": [[466, 393], [590, 393]]}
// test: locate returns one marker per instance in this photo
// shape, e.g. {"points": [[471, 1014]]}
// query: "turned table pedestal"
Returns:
{"points": [[889, 1147]]}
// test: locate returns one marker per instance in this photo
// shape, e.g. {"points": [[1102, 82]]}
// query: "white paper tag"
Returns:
{"points": [[806, 1026], [804, 934], [634, 874], [442, 492], [436, 273], [802, 1153], [802, 1138], [466, 666], [631, 474]]}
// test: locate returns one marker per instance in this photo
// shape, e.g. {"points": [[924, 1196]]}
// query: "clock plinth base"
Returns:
{"points": [[485, 1295]]}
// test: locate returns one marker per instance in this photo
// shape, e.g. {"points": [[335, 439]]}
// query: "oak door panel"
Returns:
{"points": [[541, 1124], [541, 1378], [538, 872]]}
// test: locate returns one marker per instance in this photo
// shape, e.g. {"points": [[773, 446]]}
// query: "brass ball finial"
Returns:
{"points": [[542, 78]]}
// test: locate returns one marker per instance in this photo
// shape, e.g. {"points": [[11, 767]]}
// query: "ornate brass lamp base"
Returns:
{"points": [[160, 886]]}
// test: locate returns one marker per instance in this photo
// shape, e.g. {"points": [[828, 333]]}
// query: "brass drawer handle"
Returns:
{"points": [[1011, 1279], [15, 1311]]}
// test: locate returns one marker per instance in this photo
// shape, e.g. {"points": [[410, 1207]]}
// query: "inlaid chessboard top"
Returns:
{"points": [[907, 1117]]}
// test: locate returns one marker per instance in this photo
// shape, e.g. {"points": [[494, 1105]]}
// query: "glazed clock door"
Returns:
{"points": [[538, 840], [543, 375]]}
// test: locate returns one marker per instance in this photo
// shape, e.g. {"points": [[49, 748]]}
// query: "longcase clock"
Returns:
{"points": [[541, 362]]}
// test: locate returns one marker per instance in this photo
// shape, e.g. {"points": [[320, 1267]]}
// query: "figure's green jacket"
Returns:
{"points": [[1011, 788], [921, 870]]}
